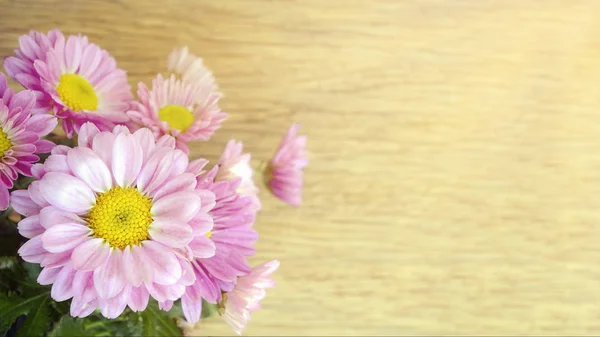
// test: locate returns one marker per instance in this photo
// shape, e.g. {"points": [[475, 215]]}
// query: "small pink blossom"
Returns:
{"points": [[285, 175], [233, 164], [32, 47], [190, 68], [20, 137], [231, 216], [186, 107], [76, 79], [247, 294]]}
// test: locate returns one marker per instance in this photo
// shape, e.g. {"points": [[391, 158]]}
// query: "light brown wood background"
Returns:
{"points": [[454, 186]]}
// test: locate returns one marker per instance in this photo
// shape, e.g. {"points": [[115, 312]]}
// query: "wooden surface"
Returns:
{"points": [[454, 186]]}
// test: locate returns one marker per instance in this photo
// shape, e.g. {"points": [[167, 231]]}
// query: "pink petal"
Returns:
{"points": [[162, 293], [165, 305], [103, 146], [204, 287], [50, 216], [60, 149], [138, 298], [183, 182], [22, 203], [109, 279], [136, 267], [158, 293], [62, 288], [4, 197], [87, 166], [83, 286], [220, 268], [201, 224], [42, 124], [36, 195], [166, 141], [146, 140], [121, 129], [202, 247], [181, 206], [81, 308], [191, 309], [48, 275], [180, 163], [28, 46], [56, 259], [38, 171], [113, 307], [90, 60], [43, 146], [90, 255], [188, 277], [170, 233], [67, 192], [33, 251], [208, 199], [126, 160], [60, 238], [30, 227], [195, 166], [155, 170], [163, 262], [73, 53], [87, 132]]}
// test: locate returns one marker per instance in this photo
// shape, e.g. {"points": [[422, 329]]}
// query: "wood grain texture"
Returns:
{"points": [[454, 185]]}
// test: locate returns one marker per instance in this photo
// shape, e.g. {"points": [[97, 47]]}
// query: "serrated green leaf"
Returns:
{"points": [[38, 319], [12, 306], [68, 327]]}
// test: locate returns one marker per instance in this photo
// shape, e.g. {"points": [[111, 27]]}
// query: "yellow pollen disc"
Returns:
{"points": [[77, 93], [208, 235], [5, 143], [121, 216], [177, 116]]}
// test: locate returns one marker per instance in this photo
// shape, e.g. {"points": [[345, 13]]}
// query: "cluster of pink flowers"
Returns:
{"points": [[124, 215]]}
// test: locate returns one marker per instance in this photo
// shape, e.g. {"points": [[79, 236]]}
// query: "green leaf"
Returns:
{"points": [[68, 327], [208, 309], [37, 320], [33, 271], [156, 322], [13, 306], [148, 326]]}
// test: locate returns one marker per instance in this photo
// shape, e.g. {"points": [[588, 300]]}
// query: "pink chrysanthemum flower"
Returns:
{"points": [[110, 221], [232, 216], [185, 108], [284, 175], [190, 69], [81, 79], [247, 294], [233, 164], [20, 137], [32, 47]]}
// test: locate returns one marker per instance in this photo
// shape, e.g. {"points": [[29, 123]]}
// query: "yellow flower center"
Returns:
{"points": [[77, 93], [177, 116], [5, 143], [208, 235], [121, 216]]}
